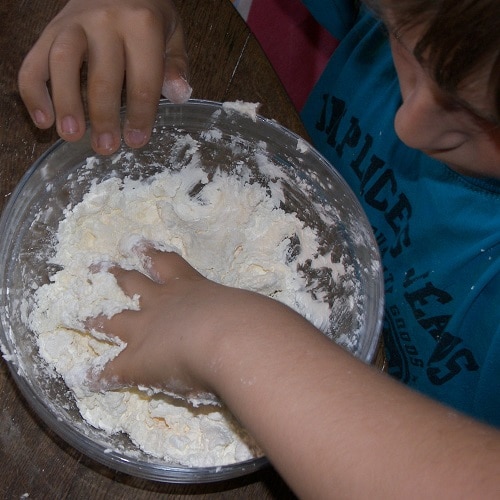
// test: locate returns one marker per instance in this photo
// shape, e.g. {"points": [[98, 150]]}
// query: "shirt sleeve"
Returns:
{"points": [[336, 16]]}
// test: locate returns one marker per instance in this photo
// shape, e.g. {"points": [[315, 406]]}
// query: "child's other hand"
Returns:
{"points": [[162, 331], [193, 335], [172, 340], [140, 39]]}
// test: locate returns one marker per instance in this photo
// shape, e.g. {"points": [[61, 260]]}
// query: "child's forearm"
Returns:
{"points": [[334, 427]]}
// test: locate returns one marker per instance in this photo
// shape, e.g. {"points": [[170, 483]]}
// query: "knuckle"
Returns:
{"points": [[140, 17], [145, 18], [61, 51], [101, 88], [103, 98], [142, 96], [105, 16]]}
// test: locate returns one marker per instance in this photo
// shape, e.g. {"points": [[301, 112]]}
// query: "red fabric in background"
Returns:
{"points": [[297, 46]]}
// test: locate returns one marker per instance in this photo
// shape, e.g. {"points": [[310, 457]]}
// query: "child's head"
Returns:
{"points": [[447, 55]]}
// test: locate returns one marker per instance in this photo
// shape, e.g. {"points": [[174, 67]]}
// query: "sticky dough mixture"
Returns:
{"points": [[232, 231]]}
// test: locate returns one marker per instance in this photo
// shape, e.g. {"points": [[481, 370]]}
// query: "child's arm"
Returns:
{"points": [[331, 425], [140, 39]]}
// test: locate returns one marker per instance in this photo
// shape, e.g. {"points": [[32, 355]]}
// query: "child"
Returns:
{"points": [[436, 216], [407, 111]]}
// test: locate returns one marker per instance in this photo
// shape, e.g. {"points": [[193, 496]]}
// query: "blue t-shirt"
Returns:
{"points": [[438, 231]]}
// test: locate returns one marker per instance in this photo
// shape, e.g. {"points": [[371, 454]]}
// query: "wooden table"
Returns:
{"points": [[227, 64]]}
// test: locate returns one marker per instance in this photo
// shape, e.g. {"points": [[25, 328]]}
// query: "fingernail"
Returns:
{"points": [[177, 91], [39, 117], [69, 125], [135, 137], [105, 141]]}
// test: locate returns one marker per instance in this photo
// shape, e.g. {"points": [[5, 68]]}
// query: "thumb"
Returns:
{"points": [[175, 82]]}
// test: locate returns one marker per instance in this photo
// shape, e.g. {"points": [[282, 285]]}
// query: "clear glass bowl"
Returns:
{"points": [[58, 178]]}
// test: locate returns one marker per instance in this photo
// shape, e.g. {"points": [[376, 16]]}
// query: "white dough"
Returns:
{"points": [[232, 231]]}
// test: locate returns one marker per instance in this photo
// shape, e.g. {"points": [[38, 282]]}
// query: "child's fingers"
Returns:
{"points": [[175, 83], [106, 68], [135, 283], [66, 56], [144, 53], [166, 266], [116, 374], [128, 326], [144, 43], [32, 83], [121, 325]]}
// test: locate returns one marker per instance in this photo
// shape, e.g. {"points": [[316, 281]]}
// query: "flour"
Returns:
{"points": [[231, 229], [245, 108]]}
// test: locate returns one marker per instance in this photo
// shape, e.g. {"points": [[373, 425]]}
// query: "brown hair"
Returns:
{"points": [[460, 37]]}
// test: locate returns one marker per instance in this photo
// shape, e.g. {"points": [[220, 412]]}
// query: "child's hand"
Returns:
{"points": [[173, 340], [190, 332], [140, 39], [158, 335]]}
